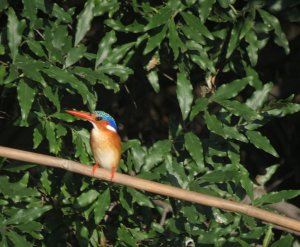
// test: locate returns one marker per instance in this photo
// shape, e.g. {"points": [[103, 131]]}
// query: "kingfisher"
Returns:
{"points": [[104, 139]]}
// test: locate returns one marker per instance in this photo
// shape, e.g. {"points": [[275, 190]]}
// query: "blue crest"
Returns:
{"points": [[105, 116]]}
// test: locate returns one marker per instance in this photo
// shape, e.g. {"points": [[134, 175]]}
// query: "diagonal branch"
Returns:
{"points": [[153, 187]]}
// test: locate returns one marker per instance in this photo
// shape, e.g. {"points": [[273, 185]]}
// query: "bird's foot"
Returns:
{"points": [[113, 170], [94, 168]]}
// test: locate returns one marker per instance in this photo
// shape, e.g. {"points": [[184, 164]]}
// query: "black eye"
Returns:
{"points": [[98, 118]]}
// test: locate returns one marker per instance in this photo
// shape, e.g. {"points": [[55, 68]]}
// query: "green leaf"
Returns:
{"points": [[36, 47], [65, 77], [104, 47], [74, 55], [125, 236], [174, 39], [17, 240], [84, 21], [240, 109], [23, 216], [230, 90], [86, 198], [115, 69], [275, 197], [37, 137], [261, 142], [263, 179], [53, 97], [119, 52], [30, 10], [253, 47], [26, 96], [160, 18], [219, 128], [54, 143], [140, 198], [259, 97], [196, 24], [33, 228], [155, 40], [284, 241], [157, 153], [194, 146], [134, 27], [200, 105], [233, 40], [220, 176], [153, 79], [101, 206], [14, 33], [272, 21], [184, 91], [286, 109]]}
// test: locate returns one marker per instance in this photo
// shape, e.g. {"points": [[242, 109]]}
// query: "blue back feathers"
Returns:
{"points": [[105, 116]]}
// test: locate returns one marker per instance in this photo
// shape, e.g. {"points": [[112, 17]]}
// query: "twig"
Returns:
{"points": [[153, 187]]}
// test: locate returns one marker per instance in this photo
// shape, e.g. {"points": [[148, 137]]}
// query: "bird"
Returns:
{"points": [[104, 139]]}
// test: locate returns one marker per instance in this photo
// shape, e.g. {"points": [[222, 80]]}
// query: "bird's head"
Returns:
{"points": [[98, 118]]}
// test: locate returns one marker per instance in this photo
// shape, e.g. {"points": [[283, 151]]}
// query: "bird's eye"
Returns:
{"points": [[98, 118]]}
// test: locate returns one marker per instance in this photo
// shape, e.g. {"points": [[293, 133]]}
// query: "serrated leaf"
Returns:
{"points": [[153, 79], [233, 40], [230, 90], [261, 142], [30, 10], [284, 241], [263, 179], [104, 47], [194, 146], [271, 20], [286, 109], [253, 47], [75, 54], [119, 52], [195, 24], [174, 39], [65, 77], [117, 25], [52, 96], [84, 21], [60, 37], [14, 33], [140, 198], [125, 200], [156, 154], [259, 97], [101, 206], [200, 105], [155, 40], [118, 70], [125, 236], [17, 240], [184, 91], [33, 228], [160, 18], [37, 137], [240, 109], [26, 96], [36, 47], [219, 128], [54, 143], [86, 198], [220, 176], [278, 196], [26, 215]]}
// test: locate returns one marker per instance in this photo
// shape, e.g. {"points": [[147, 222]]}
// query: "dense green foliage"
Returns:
{"points": [[55, 56]]}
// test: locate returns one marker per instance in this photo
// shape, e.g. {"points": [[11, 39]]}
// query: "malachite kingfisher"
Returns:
{"points": [[104, 139]]}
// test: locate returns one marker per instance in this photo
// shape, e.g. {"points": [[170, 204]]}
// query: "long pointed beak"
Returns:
{"points": [[84, 115]]}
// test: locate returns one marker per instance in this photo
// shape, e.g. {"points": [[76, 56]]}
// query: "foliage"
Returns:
{"points": [[55, 53]]}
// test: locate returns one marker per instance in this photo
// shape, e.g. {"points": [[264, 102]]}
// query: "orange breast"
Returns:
{"points": [[106, 145]]}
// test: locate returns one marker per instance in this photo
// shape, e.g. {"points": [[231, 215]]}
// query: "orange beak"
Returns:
{"points": [[84, 115]]}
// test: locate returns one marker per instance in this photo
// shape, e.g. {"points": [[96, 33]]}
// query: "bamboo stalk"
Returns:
{"points": [[153, 187]]}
